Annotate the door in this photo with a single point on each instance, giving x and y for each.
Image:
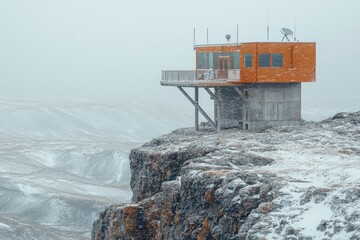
(223, 67)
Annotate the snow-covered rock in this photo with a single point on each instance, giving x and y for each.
(283, 183)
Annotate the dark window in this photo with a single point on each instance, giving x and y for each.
(216, 55)
(277, 60)
(210, 60)
(237, 60)
(204, 60)
(198, 58)
(248, 60)
(232, 60)
(264, 60)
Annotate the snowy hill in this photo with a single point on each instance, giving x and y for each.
(128, 122)
(62, 163)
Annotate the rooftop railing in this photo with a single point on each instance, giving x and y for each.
(200, 74)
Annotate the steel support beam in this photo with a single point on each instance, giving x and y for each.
(239, 92)
(218, 110)
(196, 105)
(196, 109)
(212, 95)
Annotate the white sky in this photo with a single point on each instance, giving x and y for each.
(114, 50)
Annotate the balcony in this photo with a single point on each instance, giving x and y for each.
(193, 78)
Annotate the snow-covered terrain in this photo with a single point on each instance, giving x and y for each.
(299, 182)
(320, 164)
(62, 163)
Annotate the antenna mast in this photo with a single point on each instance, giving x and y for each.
(194, 40)
(294, 28)
(237, 34)
(207, 35)
(267, 27)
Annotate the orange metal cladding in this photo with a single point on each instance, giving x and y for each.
(299, 61)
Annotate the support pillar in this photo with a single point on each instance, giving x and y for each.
(218, 110)
(196, 109)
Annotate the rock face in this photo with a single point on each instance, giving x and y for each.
(283, 183)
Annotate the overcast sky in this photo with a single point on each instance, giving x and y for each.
(114, 50)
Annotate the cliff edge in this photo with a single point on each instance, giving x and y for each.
(283, 183)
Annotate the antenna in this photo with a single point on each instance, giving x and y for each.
(237, 34)
(267, 27)
(294, 28)
(228, 37)
(194, 40)
(207, 35)
(287, 33)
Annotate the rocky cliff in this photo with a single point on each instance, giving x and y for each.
(283, 183)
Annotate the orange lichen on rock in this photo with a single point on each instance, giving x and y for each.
(130, 222)
(205, 230)
(209, 196)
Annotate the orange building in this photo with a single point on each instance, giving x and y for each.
(261, 62)
(256, 84)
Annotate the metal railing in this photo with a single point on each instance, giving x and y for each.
(200, 74)
(178, 75)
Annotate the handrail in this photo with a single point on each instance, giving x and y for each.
(178, 75)
(200, 74)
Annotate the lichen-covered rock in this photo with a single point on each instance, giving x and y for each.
(283, 183)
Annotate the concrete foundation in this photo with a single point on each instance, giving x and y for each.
(258, 106)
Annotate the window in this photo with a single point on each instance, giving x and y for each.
(210, 60)
(277, 60)
(204, 60)
(237, 60)
(248, 60)
(232, 60)
(198, 59)
(264, 60)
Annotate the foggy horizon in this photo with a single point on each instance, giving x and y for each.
(113, 51)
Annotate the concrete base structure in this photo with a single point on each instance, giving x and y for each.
(258, 106)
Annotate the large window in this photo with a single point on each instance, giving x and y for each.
(234, 58)
(248, 60)
(204, 60)
(277, 60)
(264, 60)
(210, 60)
(201, 60)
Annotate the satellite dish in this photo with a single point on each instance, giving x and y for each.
(228, 37)
(287, 33)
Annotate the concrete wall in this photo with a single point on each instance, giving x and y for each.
(230, 107)
(262, 105)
